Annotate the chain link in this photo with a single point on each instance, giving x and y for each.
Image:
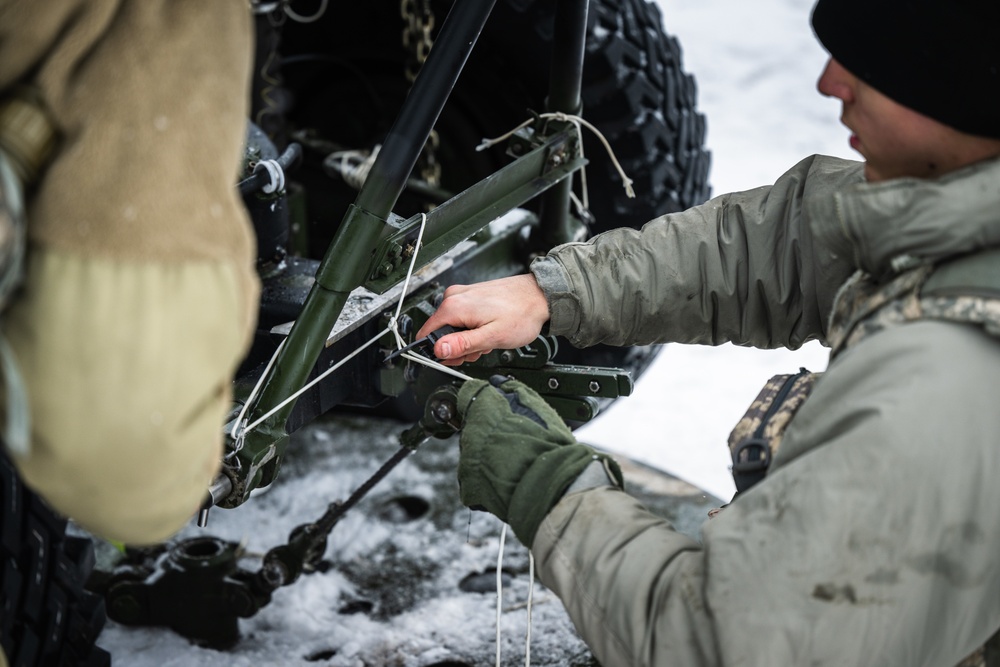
(418, 22)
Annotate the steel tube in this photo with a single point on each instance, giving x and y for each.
(422, 106)
(565, 85)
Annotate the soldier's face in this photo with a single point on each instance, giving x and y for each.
(897, 141)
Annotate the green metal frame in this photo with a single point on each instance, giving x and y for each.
(372, 246)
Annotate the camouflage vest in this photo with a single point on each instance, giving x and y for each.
(964, 290)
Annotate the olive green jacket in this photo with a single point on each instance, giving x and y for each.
(873, 540)
(140, 294)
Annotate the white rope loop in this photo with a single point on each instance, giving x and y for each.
(317, 15)
(275, 173)
(577, 121)
(355, 165)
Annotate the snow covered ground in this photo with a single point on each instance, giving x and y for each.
(756, 64)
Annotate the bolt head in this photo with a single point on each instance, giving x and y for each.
(274, 574)
(594, 386)
(442, 412)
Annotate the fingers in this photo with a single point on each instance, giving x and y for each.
(452, 311)
(463, 346)
(498, 314)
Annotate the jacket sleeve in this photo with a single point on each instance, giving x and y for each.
(740, 268)
(871, 542)
(141, 291)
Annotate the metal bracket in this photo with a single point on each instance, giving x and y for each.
(552, 158)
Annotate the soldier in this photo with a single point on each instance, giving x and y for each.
(872, 539)
(140, 291)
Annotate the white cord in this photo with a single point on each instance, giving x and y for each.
(355, 165)
(503, 538)
(577, 121)
(318, 379)
(531, 590)
(406, 281)
(240, 428)
(253, 394)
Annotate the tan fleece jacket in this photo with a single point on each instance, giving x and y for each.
(141, 295)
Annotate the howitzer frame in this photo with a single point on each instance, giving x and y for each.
(371, 245)
(367, 260)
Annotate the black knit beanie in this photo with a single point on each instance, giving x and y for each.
(938, 57)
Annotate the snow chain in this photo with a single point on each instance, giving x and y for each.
(418, 22)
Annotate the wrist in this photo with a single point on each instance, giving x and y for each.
(562, 306)
(548, 479)
(593, 476)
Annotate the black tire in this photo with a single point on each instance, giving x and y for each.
(635, 72)
(634, 90)
(347, 82)
(47, 617)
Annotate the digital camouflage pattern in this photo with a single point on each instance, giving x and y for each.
(864, 308)
(976, 659)
(764, 423)
(16, 429)
(11, 229)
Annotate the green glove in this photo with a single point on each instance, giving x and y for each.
(517, 456)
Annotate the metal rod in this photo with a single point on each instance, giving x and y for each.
(220, 488)
(568, 44)
(565, 85)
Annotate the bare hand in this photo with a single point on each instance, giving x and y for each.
(499, 314)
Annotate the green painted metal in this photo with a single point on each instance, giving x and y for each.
(556, 157)
(347, 259)
(372, 248)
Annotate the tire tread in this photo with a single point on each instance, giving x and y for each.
(47, 617)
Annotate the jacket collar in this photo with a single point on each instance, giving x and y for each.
(895, 225)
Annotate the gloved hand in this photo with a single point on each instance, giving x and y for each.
(517, 456)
